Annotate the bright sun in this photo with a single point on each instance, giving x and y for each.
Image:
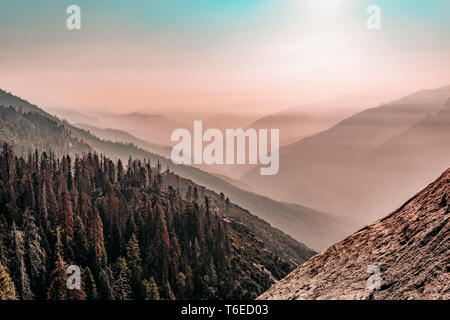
(324, 6)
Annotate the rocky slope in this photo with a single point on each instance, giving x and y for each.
(410, 246)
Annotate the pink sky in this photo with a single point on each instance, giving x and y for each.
(286, 61)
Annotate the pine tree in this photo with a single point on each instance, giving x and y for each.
(52, 204)
(134, 262)
(42, 205)
(161, 244)
(76, 294)
(121, 285)
(19, 268)
(181, 285)
(131, 226)
(35, 255)
(7, 289)
(105, 282)
(8, 174)
(81, 245)
(3, 241)
(58, 286)
(65, 212)
(96, 236)
(89, 285)
(150, 289)
(168, 293)
(57, 289)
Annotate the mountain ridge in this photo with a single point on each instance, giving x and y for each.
(409, 246)
(319, 171)
(277, 214)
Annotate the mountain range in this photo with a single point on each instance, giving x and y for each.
(379, 156)
(315, 229)
(305, 120)
(369, 155)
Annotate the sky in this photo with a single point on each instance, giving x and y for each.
(242, 56)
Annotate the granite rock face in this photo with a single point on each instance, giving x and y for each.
(410, 248)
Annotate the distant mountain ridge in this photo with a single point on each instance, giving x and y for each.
(322, 170)
(315, 229)
(300, 222)
(296, 123)
(149, 127)
(409, 246)
(125, 137)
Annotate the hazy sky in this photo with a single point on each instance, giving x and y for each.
(220, 55)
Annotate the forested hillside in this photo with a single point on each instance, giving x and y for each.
(132, 238)
(314, 228)
(261, 208)
(28, 131)
(277, 242)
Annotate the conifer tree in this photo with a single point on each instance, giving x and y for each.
(19, 268)
(35, 255)
(167, 291)
(65, 212)
(134, 262)
(150, 289)
(89, 285)
(3, 241)
(121, 285)
(105, 282)
(181, 285)
(7, 289)
(57, 289)
(81, 245)
(162, 243)
(96, 236)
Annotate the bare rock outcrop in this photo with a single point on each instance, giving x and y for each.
(410, 247)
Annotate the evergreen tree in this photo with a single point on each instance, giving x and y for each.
(181, 285)
(89, 285)
(3, 241)
(135, 263)
(150, 289)
(106, 280)
(35, 255)
(7, 289)
(57, 289)
(96, 237)
(167, 291)
(81, 245)
(65, 212)
(20, 273)
(121, 285)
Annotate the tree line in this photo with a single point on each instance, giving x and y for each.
(131, 238)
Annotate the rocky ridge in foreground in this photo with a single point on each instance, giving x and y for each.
(411, 247)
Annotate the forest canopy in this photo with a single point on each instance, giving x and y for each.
(131, 238)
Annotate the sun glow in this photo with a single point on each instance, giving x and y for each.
(322, 14)
(324, 6)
